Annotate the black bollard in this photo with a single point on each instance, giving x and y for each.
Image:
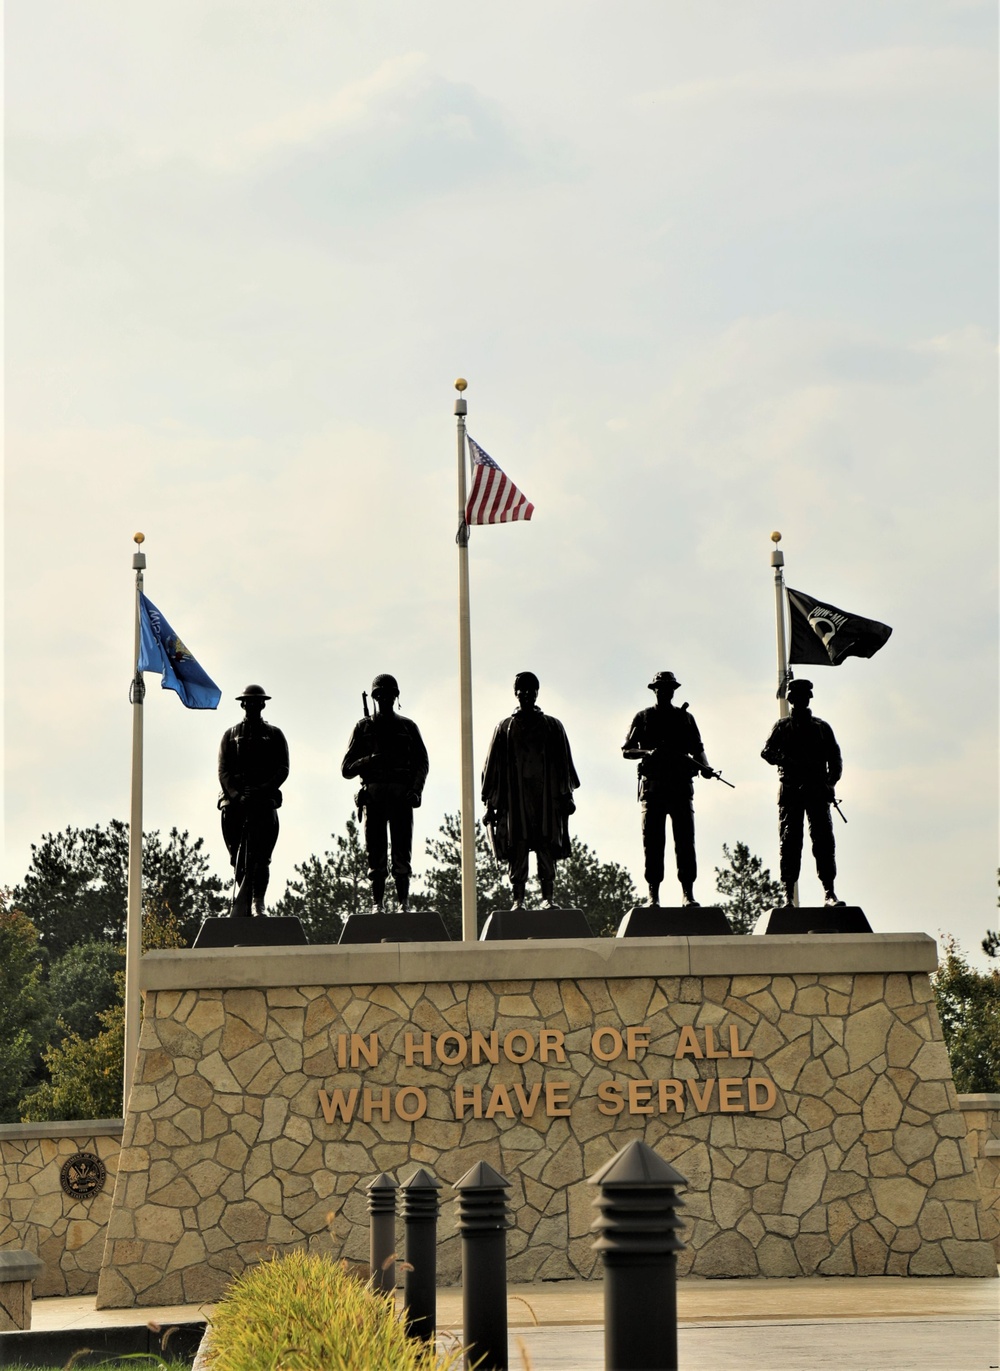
(638, 1225)
(482, 1222)
(420, 1213)
(382, 1208)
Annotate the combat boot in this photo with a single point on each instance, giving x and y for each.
(547, 888)
(403, 893)
(654, 896)
(378, 894)
(688, 895)
(518, 901)
(830, 897)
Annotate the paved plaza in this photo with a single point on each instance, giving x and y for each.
(811, 1324)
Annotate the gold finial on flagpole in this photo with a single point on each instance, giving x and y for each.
(461, 384)
(775, 537)
(138, 537)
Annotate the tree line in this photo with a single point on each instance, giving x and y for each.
(62, 932)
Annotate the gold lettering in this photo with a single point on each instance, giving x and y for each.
(551, 1040)
(528, 1102)
(342, 1049)
(383, 1104)
(734, 1043)
(499, 1103)
(634, 1039)
(609, 1098)
(557, 1099)
(671, 1092)
(529, 1045)
(411, 1047)
(710, 1049)
(419, 1106)
(464, 1097)
(687, 1044)
(770, 1093)
(701, 1102)
(640, 1103)
(461, 1048)
(482, 1048)
(359, 1049)
(338, 1103)
(597, 1040)
(731, 1095)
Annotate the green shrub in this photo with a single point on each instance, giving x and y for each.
(305, 1312)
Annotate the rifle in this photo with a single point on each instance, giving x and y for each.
(718, 776)
(364, 702)
(836, 804)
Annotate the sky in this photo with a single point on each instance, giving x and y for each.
(710, 270)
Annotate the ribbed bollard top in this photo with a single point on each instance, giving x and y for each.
(482, 1203)
(382, 1195)
(419, 1196)
(638, 1201)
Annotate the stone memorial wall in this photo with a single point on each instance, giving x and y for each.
(800, 1085)
(52, 1208)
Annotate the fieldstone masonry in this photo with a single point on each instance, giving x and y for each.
(811, 1110)
(66, 1231)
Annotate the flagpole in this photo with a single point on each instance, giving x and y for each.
(778, 562)
(133, 924)
(470, 931)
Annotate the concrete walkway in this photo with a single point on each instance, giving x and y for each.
(810, 1324)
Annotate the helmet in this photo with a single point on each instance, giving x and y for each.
(527, 678)
(253, 692)
(663, 678)
(385, 682)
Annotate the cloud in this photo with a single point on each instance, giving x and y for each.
(878, 75)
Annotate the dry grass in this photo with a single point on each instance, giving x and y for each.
(305, 1312)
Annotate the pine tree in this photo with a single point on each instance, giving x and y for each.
(747, 888)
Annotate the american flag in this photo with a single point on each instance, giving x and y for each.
(494, 498)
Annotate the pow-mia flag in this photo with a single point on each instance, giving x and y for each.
(823, 635)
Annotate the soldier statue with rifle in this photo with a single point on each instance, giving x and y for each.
(388, 753)
(667, 745)
(253, 766)
(805, 751)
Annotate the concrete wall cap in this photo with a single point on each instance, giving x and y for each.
(83, 1129)
(541, 959)
(16, 1265)
(979, 1102)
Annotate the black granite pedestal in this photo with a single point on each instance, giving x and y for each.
(680, 921)
(822, 918)
(535, 923)
(243, 931)
(410, 926)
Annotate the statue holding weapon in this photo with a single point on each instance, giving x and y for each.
(805, 751)
(666, 743)
(253, 766)
(388, 754)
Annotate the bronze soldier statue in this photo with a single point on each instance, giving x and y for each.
(806, 754)
(667, 745)
(253, 766)
(527, 786)
(388, 753)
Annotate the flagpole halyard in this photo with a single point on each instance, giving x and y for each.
(470, 931)
(133, 923)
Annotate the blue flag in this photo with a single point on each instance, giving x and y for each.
(162, 651)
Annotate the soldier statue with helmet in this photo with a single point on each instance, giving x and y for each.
(388, 754)
(667, 745)
(253, 766)
(805, 751)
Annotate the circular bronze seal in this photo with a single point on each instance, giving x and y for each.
(83, 1176)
